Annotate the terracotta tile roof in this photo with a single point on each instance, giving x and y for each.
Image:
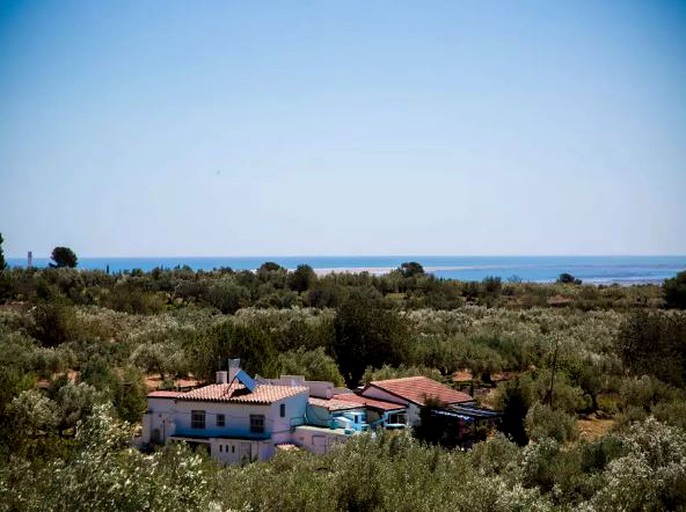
(263, 393)
(417, 389)
(163, 394)
(334, 404)
(372, 403)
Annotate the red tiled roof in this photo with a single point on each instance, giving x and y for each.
(263, 394)
(370, 402)
(334, 404)
(417, 389)
(163, 394)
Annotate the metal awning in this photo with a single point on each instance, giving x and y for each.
(467, 413)
(475, 412)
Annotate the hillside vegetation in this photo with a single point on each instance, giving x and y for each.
(80, 349)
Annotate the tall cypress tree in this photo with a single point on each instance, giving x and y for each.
(3, 263)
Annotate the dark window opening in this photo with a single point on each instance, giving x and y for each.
(198, 419)
(257, 423)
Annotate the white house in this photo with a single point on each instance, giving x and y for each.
(237, 419)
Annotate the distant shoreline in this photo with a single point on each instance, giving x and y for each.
(600, 270)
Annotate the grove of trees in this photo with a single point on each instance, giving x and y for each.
(79, 350)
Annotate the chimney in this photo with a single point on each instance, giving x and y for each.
(234, 368)
(221, 377)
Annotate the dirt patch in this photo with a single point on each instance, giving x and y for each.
(462, 376)
(592, 427)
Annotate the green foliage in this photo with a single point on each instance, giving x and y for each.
(674, 291)
(566, 278)
(565, 396)
(542, 421)
(496, 456)
(128, 395)
(640, 469)
(124, 387)
(652, 473)
(493, 285)
(227, 296)
(325, 294)
(210, 349)
(164, 357)
(29, 415)
(671, 412)
(514, 401)
(106, 475)
(313, 364)
(368, 335)
(589, 374)
(655, 343)
(175, 321)
(3, 263)
(53, 323)
(411, 269)
(129, 298)
(390, 372)
(292, 328)
(63, 257)
(302, 278)
(75, 403)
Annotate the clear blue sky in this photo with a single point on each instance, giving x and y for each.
(337, 127)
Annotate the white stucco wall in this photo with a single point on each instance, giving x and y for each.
(236, 419)
(236, 427)
(238, 451)
(295, 415)
(159, 416)
(318, 440)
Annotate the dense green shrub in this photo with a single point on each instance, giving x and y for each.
(542, 421)
(313, 364)
(674, 291)
(53, 323)
(514, 400)
(655, 344)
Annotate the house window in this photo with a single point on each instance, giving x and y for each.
(257, 423)
(397, 418)
(198, 419)
(220, 420)
(282, 410)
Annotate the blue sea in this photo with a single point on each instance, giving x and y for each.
(623, 270)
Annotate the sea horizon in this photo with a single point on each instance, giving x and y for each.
(608, 269)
